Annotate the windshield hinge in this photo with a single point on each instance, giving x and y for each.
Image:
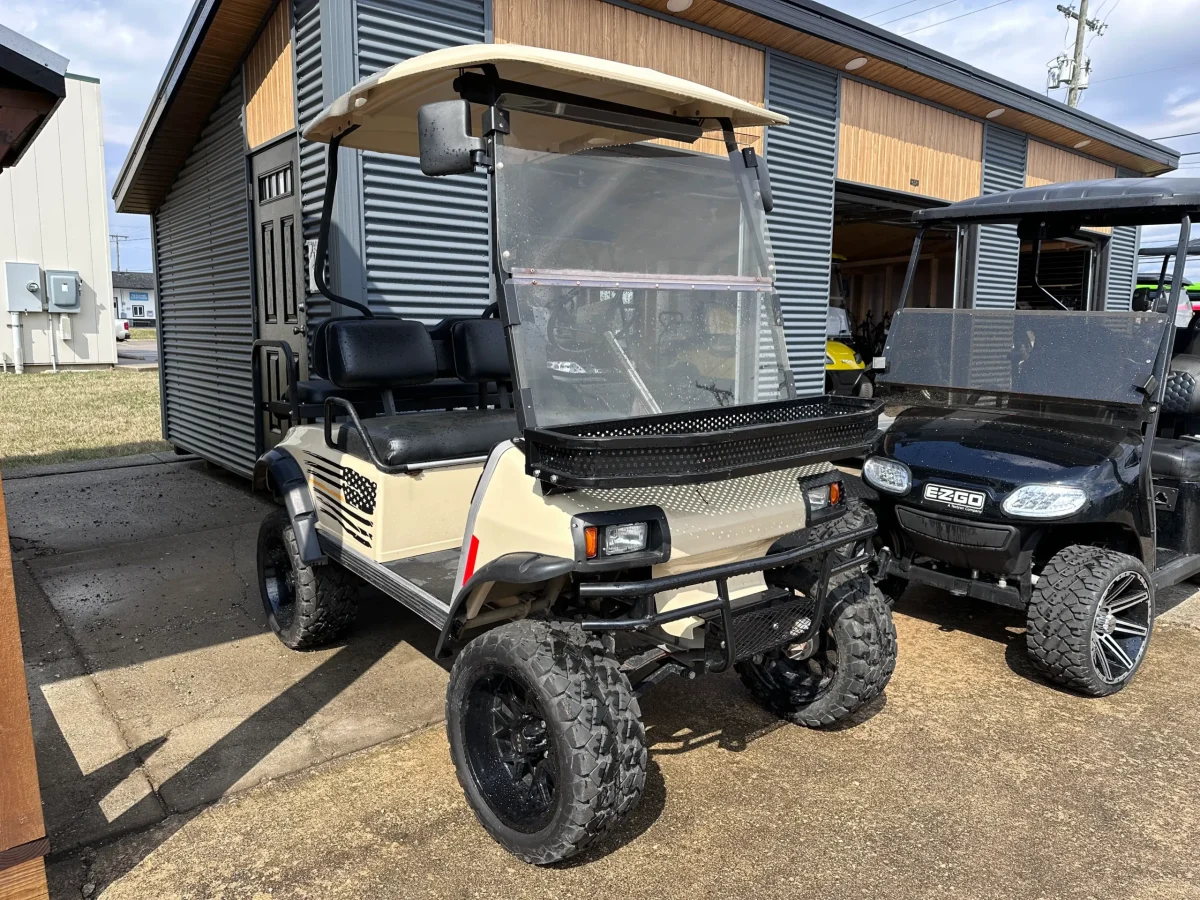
(1148, 387)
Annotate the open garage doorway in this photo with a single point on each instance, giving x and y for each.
(1070, 271)
(872, 240)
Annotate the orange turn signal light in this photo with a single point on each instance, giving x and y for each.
(835, 493)
(591, 541)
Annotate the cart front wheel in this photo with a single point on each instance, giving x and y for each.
(1090, 618)
(548, 757)
(849, 665)
(306, 606)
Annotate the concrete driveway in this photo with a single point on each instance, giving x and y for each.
(156, 691)
(137, 354)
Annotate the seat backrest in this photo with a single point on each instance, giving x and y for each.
(365, 353)
(443, 345)
(1181, 397)
(480, 351)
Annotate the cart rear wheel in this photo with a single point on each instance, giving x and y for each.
(1090, 619)
(850, 665)
(545, 740)
(306, 606)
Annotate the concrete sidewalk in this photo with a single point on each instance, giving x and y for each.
(154, 684)
(156, 690)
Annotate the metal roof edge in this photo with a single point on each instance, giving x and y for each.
(837, 27)
(33, 51)
(185, 48)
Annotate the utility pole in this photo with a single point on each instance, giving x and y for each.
(117, 238)
(1080, 68)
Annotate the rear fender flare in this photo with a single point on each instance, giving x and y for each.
(279, 472)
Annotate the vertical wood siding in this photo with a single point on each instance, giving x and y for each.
(1052, 165)
(604, 30)
(892, 142)
(270, 98)
(206, 308)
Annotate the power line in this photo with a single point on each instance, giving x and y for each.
(889, 9)
(1172, 136)
(918, 12)
(1143, 72)
(953, 18)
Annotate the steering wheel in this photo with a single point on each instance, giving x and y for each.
(564, 332)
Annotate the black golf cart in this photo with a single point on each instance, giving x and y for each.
(1048, 459)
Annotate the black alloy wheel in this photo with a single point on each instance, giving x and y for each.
(509, 750)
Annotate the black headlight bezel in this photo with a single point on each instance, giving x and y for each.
(658, 538)
(833, 510)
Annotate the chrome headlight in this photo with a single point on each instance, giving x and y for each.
(1044, 501)
(887, 475)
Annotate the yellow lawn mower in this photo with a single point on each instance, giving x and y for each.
(845, 370)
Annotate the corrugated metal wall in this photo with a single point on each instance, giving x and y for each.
(309, 102)
(998, 248)
(803, 161)
(1122, 267)
(425, 239)
(206, 313)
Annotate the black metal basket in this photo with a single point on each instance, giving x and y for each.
(705, 445)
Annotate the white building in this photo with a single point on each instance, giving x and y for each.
(133, 297)
(54, 214)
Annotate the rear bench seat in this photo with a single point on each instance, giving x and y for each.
(396, 354)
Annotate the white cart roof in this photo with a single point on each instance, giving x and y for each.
(385, 105)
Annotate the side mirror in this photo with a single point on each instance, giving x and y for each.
(444, 137)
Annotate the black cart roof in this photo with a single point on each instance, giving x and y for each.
(1109, 201)
(1193, 249)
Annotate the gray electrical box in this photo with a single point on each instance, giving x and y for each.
(23, 287)
(62, 291)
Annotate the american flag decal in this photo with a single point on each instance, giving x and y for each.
(339, 491)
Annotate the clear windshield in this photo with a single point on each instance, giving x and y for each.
(1088, 356)
(643, 281)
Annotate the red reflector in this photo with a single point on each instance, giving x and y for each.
(472, 552)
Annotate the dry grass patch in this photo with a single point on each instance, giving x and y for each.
(49, 418)
(143, 334)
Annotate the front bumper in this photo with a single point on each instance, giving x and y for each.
(748, 619)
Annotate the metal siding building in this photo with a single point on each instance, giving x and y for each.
(249, 74)
(54, 212)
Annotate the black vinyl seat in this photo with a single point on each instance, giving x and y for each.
(1173, 458)
(401, 359)
(420, 437)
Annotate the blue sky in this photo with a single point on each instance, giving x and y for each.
(1143, 67)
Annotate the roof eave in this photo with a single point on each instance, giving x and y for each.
(189, 41)
(831, 25)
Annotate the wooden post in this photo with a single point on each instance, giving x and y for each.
(23, 840)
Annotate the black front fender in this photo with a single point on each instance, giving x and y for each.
(278, 471)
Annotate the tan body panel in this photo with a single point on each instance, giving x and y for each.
(410, 515)
(710, 524)
(394, 517)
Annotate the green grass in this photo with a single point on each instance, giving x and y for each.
(143, 334)
(50, 418)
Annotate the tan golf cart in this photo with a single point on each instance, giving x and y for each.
(604, 480)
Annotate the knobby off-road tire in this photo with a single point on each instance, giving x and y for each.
(1090, 602)
(546, 739)
(306, 606)
(851, 665)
